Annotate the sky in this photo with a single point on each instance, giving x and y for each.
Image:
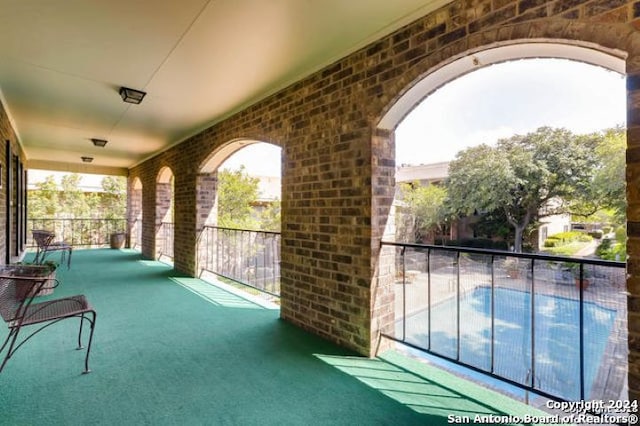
(510, 98)
(259, 159)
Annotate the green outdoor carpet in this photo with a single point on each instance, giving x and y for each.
(168, 350)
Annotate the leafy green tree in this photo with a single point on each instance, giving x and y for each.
(67, 200)
(270, 217)
(43, 202)
(72, 197)
(609, 183)
(236, 193)
(423, 209)
(527, 177)
(113, 201)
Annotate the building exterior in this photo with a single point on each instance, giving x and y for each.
(436, 174)
(336, 128)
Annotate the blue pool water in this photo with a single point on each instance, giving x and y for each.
(556, 337)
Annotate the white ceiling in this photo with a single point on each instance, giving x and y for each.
(62, 63)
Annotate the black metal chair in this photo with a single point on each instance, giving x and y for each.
(45, 245)
(19, 285)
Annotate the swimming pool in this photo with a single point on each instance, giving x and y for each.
(556, 347)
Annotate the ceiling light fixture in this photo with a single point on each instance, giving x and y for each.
(99, 142)
(87, 159)
(132, 96)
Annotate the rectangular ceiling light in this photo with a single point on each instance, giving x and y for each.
(99, 142)
(132, 96)
(87, 159)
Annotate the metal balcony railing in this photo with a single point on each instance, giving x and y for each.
(136, 234)
(249, 257)
(164, 240)
(78, 232)
(556, 326)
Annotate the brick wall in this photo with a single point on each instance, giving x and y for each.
(336, 183)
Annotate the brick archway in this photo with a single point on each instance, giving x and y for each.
(613, 46)
(207, 179)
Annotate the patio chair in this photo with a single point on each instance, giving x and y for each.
(19, 285)
(45, 244)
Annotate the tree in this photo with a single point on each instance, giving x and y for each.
(72, 197)
(43, 202)
(526, 176)
(423, 208)
(609, 184)
(270, 217)
(67, 200)
(237, 191)
(114, 198)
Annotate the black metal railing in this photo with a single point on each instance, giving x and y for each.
(164, 240)
(548, 324)
(135, 230)
(249, 257)
(83, 232)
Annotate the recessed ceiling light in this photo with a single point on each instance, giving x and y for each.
(132, 96)
(99, 142)
(87, 159)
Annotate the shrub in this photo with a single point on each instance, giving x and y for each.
(552, 242)
(598, 234)
(614, 249)
(563, 238)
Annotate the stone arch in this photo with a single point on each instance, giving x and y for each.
(135, 214)
(206, 188)
(207, 179)
(164, 213)
(223, 152)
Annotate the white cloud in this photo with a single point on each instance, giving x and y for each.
(510, 98)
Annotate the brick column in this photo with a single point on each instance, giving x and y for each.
(633, 230)
(135, 215)
(163, 204)
(383, 259)
(206, 210)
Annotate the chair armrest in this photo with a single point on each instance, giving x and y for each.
(50, 281)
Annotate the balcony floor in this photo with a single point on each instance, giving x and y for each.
(165, 354)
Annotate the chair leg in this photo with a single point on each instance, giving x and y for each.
(82, 318)
(13, 335)
(86, 358)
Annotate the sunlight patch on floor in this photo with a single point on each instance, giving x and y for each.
(152, 263)
(414, 390)
(214, 294)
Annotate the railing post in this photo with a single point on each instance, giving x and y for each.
(581, 309)
(533, 327)
(493, 313)
(458, 306)
(429, 298)
(404, 293)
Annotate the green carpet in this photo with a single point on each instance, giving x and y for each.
(169, 350)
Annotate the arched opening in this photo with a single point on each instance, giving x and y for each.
(239, 216)
(165, 214)
(135, 215)
(447, 301)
